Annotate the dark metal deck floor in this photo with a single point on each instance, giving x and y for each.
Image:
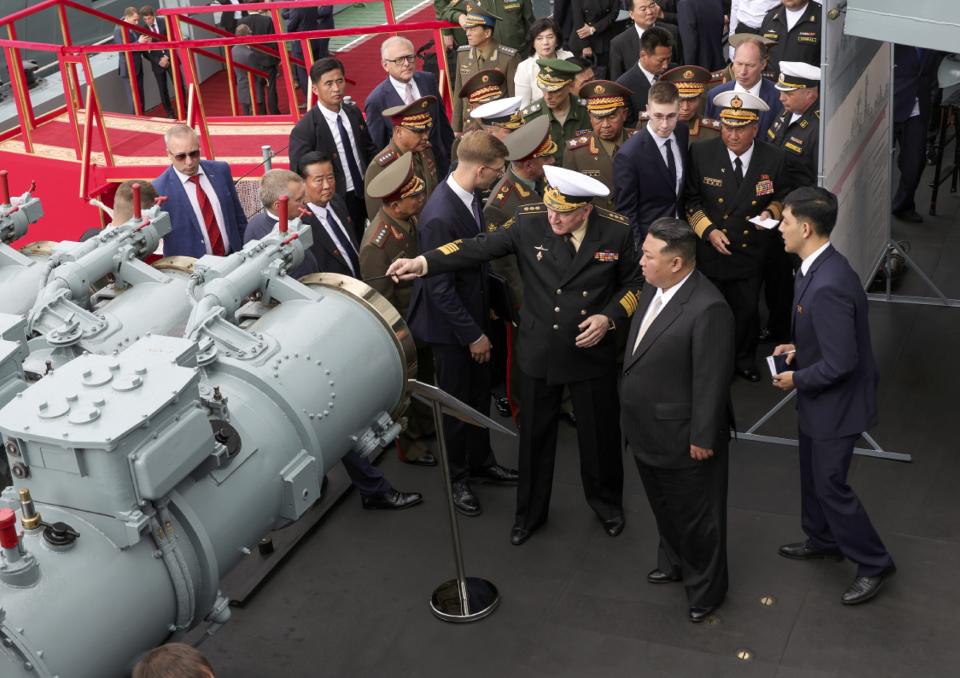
(353, 599)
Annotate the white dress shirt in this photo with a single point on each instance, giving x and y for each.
(749, 12)
(401, 88)
(664, 295)
(794, 16)
(525, 78)
(191, 190)
(647, 74)
(808, 262)
(640, 31)
(745, 159)
(465, 196)
(677, 156)
(342, 237)
(331, 119)
(755, 90)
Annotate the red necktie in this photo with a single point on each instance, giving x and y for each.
(209, 218)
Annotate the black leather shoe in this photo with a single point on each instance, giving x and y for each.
(425, 459)
(415, 453)
(804, 550)
(658, 576)
(391, 500)
(614, 526)
(749, 374)
(864, 588)
(910, 216)
(465, 500)
(497, 474)
(503, 406)
(698, 614)
(518, 535)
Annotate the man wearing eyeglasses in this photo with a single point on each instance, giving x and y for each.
(648, 170)
(405, 84)
(451, 311)
(202, 201)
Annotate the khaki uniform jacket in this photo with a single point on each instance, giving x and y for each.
(424, 166)
(577, 123)
(472, 60)
(386, 240)
(516, 18)
(587, 155)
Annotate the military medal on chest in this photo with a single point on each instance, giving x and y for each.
(540, 250)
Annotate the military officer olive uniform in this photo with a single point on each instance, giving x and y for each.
(515, 18)
(590, 155)
(471, 60)
(713, 200)
(562, 289)
(703, 129)
(800, 44)
(386, 240)
(577, 123)
(424, 166)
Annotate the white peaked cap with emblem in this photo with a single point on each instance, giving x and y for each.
(744, 100)
(797, 75)
(499, 108)
(574, 184)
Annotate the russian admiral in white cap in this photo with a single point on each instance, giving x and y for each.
(797, 128)
(581, 280)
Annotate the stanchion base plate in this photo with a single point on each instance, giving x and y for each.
(482, 597)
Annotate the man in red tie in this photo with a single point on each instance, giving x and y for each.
(202, 201)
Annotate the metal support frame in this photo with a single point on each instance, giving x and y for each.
(462, 599)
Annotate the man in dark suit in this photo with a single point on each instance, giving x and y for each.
(230, 15)
(159, 59)
(130, 16)
(675, 399)
(729, 181)
(260, 23)
(340, 131)
(276, 183)
(581, 281)
(648, 170)
(914, 81)
(202, 201)
(655, 46)
(832, 367)
(701, 32)
(301, 20)
(749, 63)
(625, 48)
(404, 84)
(450, 312)
(334, 244)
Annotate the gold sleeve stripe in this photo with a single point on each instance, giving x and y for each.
(699, 221)
(451, 247)
(776, 209)
(629, 302)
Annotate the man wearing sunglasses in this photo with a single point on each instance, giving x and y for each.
(202, 201)
(404, 85)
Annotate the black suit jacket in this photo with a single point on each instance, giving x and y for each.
(701, 31)
(261, 24)
(602, 15)
(328, 254)
(645, 192)
(625, 48)
(312, 133)
(636, 82)
(675, 388)
(137, 56)
(914, 79)
(384, 96)
(227, 21)
(451, 308)
(835, 373)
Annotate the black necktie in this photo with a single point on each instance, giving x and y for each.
(351, 160)
(571, 248)
(347, 248)
(671, 165)
(738, 170)
(477, 216)
(799, 275)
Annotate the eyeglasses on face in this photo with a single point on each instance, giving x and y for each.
(406, 59)
(180, 157)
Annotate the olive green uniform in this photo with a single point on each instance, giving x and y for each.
(577, 123)
(471, 60)
(589, 155)
(424, 166)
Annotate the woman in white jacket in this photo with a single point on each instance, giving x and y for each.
(543, 39)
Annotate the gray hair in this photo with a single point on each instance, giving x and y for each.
(178, 130)
(390, 42)
(276, 183)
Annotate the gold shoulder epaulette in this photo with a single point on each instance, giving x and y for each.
(610, 214)
(386, 157)
(380, 237)
(501, 195)
(463, 48)
(493, 228)
(710, 122)
(579, 141)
